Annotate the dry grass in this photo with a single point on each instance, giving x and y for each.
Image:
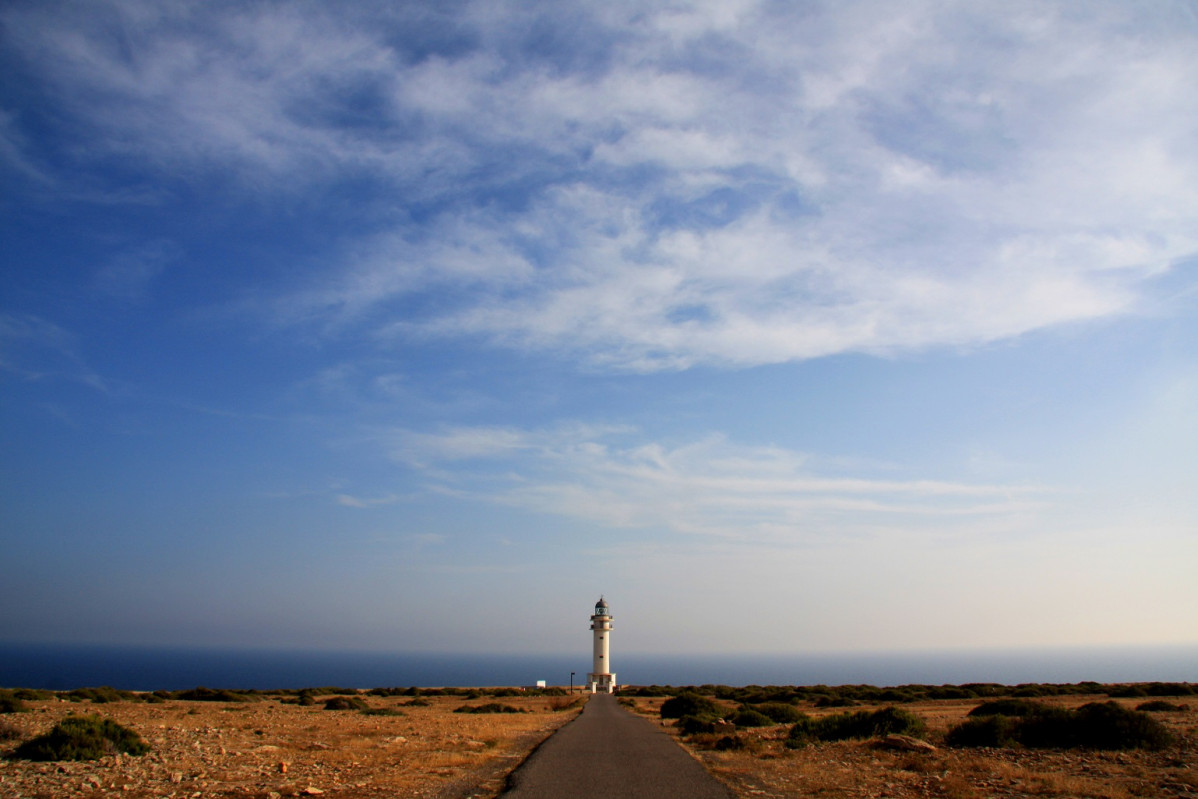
(859, 768)
(263, 748)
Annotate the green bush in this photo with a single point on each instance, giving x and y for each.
(780, 712)
(1107, 725)
(102, 695)
(1007, 707)
(202, 694)
(690, 704)
(1160, 706)
(696, 725)
(10, 703)
(346, 703)
(866, 724)
(83, 738)
(1098, 725)
(862, 724)
(1169, 689)
(748, 717)
(381, 711)
(834, 701)
(490, 707)
(996, 730)
(801, 733)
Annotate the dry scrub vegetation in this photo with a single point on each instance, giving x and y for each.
(221, 744)
(267, 746)
(757, 762)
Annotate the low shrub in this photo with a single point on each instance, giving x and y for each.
(202, 694)
(1007, 707)
(417, 702)
(780, 712)
(1169, 689)
(834, 701)
(995, 730)
(1098, 725)
(802, 732)
(696, 725)
(862, 724)
(1107, 725)
(346, 703)
(560, 703)
(83, 738)
(748, 717)
(10, 703)
(1160, 706)
(490, 707)
(689, 704)
(99, 696)
(381, 711)
(867, 724)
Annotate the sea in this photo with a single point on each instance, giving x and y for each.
(65, 667)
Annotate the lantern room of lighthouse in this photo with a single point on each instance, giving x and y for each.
(602, 679)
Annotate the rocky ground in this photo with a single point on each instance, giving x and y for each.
(268, 749)
(766, 768)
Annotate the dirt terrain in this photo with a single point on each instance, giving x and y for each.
(766, 768)
(268, 749)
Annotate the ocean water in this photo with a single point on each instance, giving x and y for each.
(61, 667)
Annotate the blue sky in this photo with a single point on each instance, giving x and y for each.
(789, 327)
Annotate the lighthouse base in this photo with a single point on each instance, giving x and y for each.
(602, 683)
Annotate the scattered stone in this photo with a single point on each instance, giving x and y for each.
(904, 743)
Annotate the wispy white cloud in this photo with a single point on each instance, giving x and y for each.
(33, 348)
(710, 486)
(653, 188)
(350, 501)
(129, 274)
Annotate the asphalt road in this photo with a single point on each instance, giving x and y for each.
(607, 753)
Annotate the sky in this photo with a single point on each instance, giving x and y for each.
(788, 327)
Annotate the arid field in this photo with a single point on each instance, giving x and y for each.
(266, 748)
(765, 767)
(271, 745)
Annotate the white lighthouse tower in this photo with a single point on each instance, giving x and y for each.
(602, 678)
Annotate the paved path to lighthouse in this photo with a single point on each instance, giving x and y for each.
(608, 753)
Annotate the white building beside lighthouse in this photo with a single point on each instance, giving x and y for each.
(602, 678)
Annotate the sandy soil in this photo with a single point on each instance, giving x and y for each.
(267, 748)
(765, 768)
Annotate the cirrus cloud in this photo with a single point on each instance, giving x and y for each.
(653, 188)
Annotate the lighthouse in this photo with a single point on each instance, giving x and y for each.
(602, 678)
